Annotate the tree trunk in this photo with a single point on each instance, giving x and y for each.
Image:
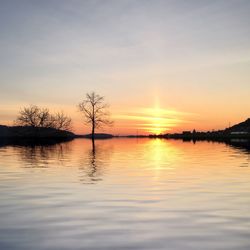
(93, 132)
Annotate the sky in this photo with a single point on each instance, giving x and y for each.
(162, 65)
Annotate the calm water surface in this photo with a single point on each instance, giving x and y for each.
(125, 194)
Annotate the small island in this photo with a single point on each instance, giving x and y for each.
(27, 135)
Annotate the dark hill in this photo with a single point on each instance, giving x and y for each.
(240, 127)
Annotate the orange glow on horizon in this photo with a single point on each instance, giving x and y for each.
(153, 120)
(133, 119)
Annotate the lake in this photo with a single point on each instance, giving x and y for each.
(125, 194)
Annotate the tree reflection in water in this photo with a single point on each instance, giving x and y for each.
(95, 161)
(42, 156)
(90, 160)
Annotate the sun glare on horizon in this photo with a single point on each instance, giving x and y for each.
(159, 120)
(154, 120)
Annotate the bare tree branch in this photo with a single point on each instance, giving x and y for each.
(41, 118)
(94, 111)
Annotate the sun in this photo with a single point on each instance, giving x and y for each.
(158, 122)
(153, 120)
(157, 129)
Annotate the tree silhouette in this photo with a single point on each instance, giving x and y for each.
(95, 111)
(61, 121)
(41, 118)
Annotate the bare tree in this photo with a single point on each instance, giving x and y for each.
(95, 111)
(44, 118)
(61, 121)
(40, 117)
(31, 116)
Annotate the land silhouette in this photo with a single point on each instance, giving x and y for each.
(27, 135)
(237, 131)
(36, 124)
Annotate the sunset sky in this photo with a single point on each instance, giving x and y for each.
(162, 65)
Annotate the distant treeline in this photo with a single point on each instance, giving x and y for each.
(213, 136)
(238, 131)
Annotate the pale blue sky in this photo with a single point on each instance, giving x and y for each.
(191, 55)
